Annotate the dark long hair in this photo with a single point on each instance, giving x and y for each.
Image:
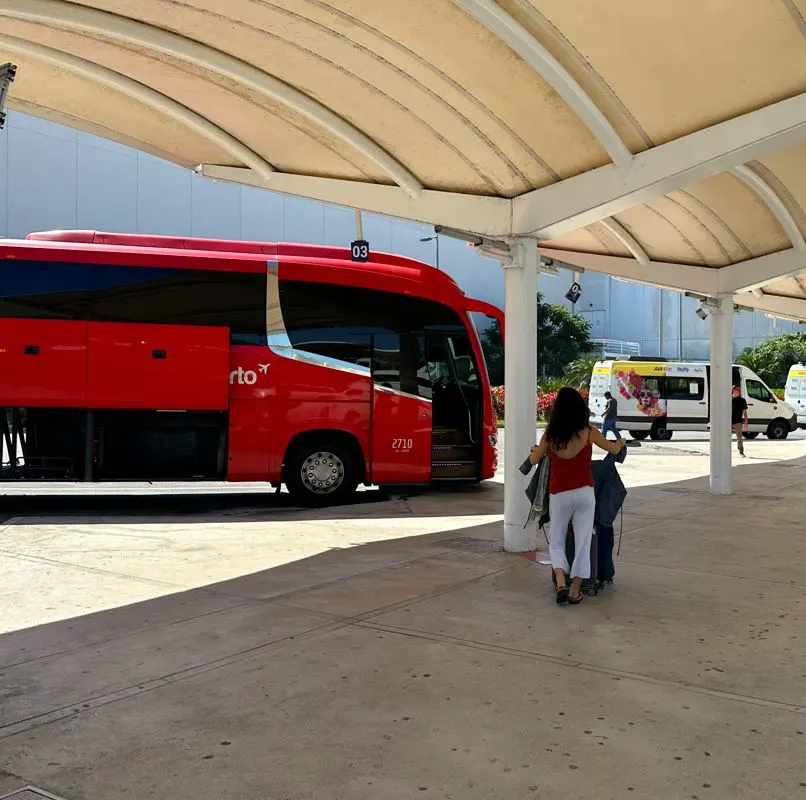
(568, 417)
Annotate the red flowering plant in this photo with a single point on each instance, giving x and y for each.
(498, 401)
(544, 401)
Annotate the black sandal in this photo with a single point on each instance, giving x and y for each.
(575, 601)
(563, 595)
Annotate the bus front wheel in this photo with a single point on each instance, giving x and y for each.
(640, 435)
(322, 471)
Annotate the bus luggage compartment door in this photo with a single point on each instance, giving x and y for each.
(165, 367)
(249, 440)
(43, 362)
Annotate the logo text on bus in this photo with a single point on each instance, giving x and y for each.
(247, 377)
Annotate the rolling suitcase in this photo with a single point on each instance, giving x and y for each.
(590, 586)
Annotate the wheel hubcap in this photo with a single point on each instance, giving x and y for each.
(322, 473)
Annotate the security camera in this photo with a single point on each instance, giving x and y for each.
(701, 312)
(7, 74)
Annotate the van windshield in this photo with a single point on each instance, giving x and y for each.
(756, 390)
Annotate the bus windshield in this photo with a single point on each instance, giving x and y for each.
(451, 360)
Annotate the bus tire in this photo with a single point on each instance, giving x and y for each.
(640, 435)
(750, 434)
(778, 430)
(660, 433)
(323, 469)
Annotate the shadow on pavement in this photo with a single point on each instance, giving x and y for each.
(98, 509)
(426, 658)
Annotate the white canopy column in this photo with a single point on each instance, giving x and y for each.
(520, 378)
(720, 398)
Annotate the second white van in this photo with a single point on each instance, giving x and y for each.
(656, 398)
(795, 392)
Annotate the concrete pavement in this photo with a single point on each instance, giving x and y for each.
(391, 650)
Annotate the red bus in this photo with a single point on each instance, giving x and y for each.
(126, 357)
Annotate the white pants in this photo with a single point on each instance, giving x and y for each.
(577, 507)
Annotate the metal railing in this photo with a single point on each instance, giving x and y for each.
(616, 347)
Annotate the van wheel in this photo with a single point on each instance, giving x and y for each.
(321, 471)
(750, 434)
(660, 433)
(640, 435)
(778, 429)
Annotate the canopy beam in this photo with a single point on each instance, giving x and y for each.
(756, 273)
(508, 29)
(145, 95)
(571, 204)
(487, 216)
(665, 275)
(767, 195)
(622, 235)
(83, 19)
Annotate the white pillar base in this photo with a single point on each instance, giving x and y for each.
(518, 539)
(720, 395)
(520, 378)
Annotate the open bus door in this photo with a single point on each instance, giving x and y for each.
(402, 417)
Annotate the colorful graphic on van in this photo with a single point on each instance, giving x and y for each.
(633, 386)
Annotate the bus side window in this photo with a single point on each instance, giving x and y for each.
(318, 317)
(323, 319)
(42, 290)
(168, 296)
(113, 293)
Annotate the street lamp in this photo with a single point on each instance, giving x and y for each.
(433, 239)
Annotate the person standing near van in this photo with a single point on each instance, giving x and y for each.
(739, 420)
(610, 415)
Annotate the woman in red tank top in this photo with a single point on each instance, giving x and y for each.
(568, 443)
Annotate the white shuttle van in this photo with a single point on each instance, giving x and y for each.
(795, 392)
(658, 397)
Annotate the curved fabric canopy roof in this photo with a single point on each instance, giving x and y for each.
(662, 142)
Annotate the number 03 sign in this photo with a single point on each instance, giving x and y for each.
(359, 250)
